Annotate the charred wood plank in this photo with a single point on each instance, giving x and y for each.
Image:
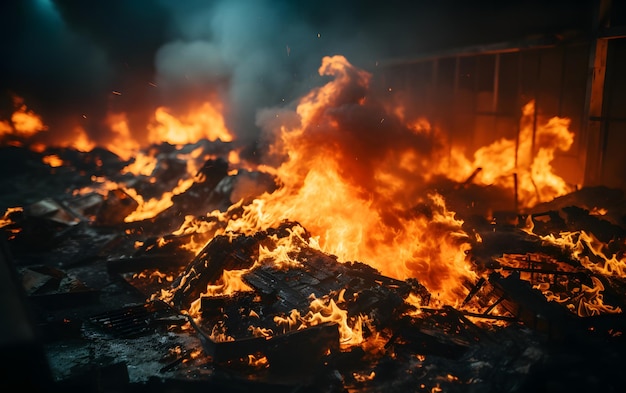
(479, 284)
(532, 308)
(223, 252)
(411, 333)
(309, 346)
(220, 254)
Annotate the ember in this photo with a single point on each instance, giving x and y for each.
(356, 247)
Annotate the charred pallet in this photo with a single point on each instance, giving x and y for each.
(443, 332)
(532, 308)
(223, 252)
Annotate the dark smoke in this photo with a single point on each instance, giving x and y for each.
(66, 57)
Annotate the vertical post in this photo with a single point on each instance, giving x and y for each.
(594, 120)
(516, 193)
(562, 82)
(496, 82)
(520, 70)
(536, 109)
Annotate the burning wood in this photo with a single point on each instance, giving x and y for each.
(356, 264)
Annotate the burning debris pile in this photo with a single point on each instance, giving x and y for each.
(360, 253)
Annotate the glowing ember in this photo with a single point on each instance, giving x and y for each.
(6, 218)
(53, 160)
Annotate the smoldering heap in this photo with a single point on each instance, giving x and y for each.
(347, 261)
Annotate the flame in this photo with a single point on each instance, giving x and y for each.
(322, 311)
(143, 164)
(534, 152)
(81, 141)
(258, 361)
(122, 143)
(53, 160)
(218, 333)
(23, 124)
(286, 248)
(6, 218)
(364, 377)
(78, 140)
(586, 248)
(584, 302)
(349, 190)
(153, 206)
(26, 123)
(592, 254)
(590, 251)
(261, 332)
(203, 122)
(5, 128)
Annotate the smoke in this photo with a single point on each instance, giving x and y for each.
(264, 53)
(252, 53)
(74, 61)
(346, 123)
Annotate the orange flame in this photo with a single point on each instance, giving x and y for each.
(53, 160)
(6, 218)
(80, 140)
(204, 122)
(122, 143)
(343, 189)
(323, 311)
(24, 123)
(536, 180)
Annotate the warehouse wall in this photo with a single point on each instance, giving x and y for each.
(475, 97)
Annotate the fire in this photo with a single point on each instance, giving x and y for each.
(322, 311)
(152, 207)
(23, 124)
(258, 362)
(343, 184)
(26, 122)
(529, 159)
(590, 251)
(6, 219)
(143, 164)
(203, 122)
(282, 255)
(53, 160)
(80, 140)
(218, 333)
(122, 143)
(587, 249)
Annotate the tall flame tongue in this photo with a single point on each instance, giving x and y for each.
(351, 174)
(529, 158)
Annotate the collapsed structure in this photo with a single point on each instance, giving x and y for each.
(365, 253)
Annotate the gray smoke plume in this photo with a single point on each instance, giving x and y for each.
(66, 58)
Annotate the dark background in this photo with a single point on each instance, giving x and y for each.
(66, 57)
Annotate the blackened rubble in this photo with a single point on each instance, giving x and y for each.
(92, 284)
